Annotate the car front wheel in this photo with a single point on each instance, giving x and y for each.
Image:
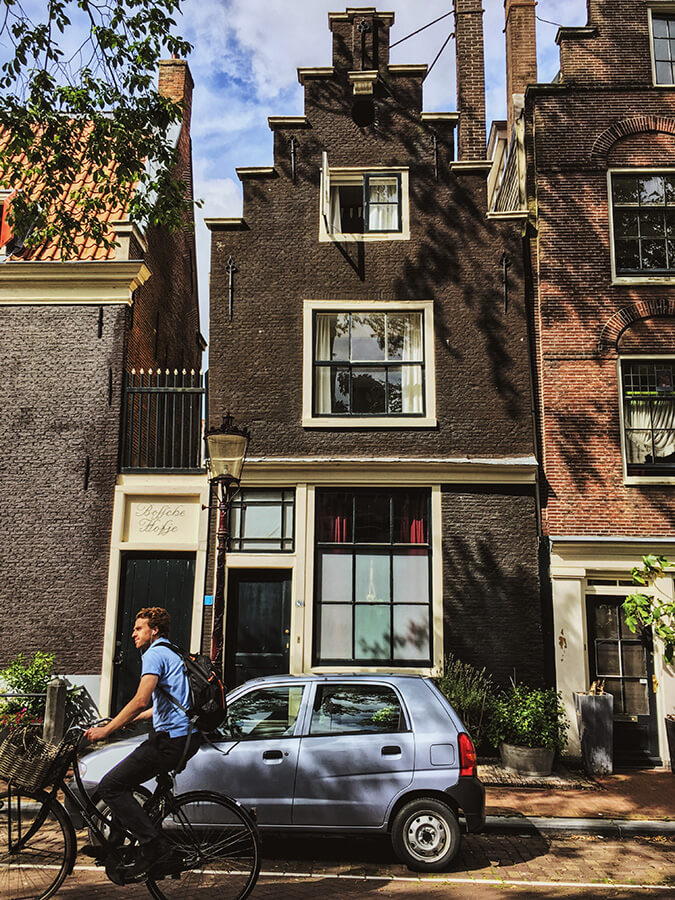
(425, 835)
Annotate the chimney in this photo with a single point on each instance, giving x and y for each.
(470, 79)
(175, 82)
(360, 38)
(521, 55)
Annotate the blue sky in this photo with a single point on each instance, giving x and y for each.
(244, 63)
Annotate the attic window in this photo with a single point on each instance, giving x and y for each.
(364, 204)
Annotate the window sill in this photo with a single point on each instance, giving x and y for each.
(649, 479)
(368, 422)
(365, 238)
(643, 279)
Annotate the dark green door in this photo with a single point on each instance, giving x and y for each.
(625, 662)
(149, 579)
(258, 624)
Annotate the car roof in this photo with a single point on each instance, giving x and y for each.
(394, 677)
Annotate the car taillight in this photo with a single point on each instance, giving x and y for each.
(467, 755)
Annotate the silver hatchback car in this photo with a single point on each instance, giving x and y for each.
(341, 754)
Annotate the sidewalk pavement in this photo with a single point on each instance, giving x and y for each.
(636, 802)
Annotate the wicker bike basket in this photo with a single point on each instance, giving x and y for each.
(31, 763)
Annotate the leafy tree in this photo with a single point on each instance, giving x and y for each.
(83, 129)
(649, 611)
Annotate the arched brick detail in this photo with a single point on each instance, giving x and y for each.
(626, 127)
(620, 321)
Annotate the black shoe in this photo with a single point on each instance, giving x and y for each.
(148, 855)
(95, 851)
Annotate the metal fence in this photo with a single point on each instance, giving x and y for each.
(162, 420)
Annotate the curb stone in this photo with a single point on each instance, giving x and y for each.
(603, 827)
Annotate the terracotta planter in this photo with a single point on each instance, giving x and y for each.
(595, 720)
(526, 760)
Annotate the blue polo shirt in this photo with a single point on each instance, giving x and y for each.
(160, 660)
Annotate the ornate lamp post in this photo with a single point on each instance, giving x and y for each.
(226, 447)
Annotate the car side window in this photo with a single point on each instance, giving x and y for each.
(356, 709)
(263, 713)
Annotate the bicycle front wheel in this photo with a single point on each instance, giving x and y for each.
(217, 841)
(37, 846)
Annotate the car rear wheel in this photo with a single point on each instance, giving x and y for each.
(425, 835)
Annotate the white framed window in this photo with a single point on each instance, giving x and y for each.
(648, 418)
(662, 43)
(642, 215)
(368, 364)
(359, 204)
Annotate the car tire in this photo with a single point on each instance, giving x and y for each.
(425, 835)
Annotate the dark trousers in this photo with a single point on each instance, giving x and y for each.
(160, 753)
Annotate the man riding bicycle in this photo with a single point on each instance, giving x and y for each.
(162, 691)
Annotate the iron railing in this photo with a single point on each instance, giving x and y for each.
(162, 420)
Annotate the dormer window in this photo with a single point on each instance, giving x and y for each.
(363, 204)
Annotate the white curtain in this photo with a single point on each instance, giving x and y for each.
(411, 378)
(323, 373)
(644, 426)
(334, 217)
(383, 205)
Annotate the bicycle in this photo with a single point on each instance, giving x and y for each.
(215, 842)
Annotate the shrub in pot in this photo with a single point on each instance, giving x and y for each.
(529, 726)
(470, 691)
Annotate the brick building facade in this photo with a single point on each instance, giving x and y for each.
(70, 330)
(589, 166)
(388, 508)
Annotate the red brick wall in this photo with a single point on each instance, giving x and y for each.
(573, 134)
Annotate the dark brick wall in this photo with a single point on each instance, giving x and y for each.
(605, 113)
(452, 258)
(491, 599)
(54, 531)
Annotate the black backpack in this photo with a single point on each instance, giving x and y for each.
(208, 704)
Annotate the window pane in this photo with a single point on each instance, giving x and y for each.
(653, 254)
(383, 203)
(368, 337)
(372, 579)
(289, 515)
(336, 577)
(372, 524)
(625, 188)
(613, 687)
(332, 336)
(351, 208)
(659, 26)
(371, 633)
(606, 622)
(262, 521)
(394, 390)
(626, 223)
(411, 579)
(269, 712)
(404, 337)
(627, 255)
(411, 525)
(664, 73)
(651, 190)
(368, 391)
(652, 224)
(411, 632)
(607, 656)
(634, 661)
(331, 390)
(334, 516)
(349, 709)
(637, 699)
(336, 632)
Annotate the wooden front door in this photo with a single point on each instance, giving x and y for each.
(625, 661)
(258, 624)
(149, 579)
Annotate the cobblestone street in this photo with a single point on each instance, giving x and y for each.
(298, 868)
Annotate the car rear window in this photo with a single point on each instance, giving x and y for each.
(356, 709)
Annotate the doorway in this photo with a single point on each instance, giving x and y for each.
(625, 662)
(257, 640)
(149, 579)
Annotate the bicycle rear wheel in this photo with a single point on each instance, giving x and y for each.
(35, 856)
(219, 843)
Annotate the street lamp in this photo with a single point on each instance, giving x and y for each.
(226, 447)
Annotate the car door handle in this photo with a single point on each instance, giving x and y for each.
(273, 755)
(391, 750)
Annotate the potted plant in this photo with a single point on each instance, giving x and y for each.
(470, 691)
(595, 720)
(529, 726)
